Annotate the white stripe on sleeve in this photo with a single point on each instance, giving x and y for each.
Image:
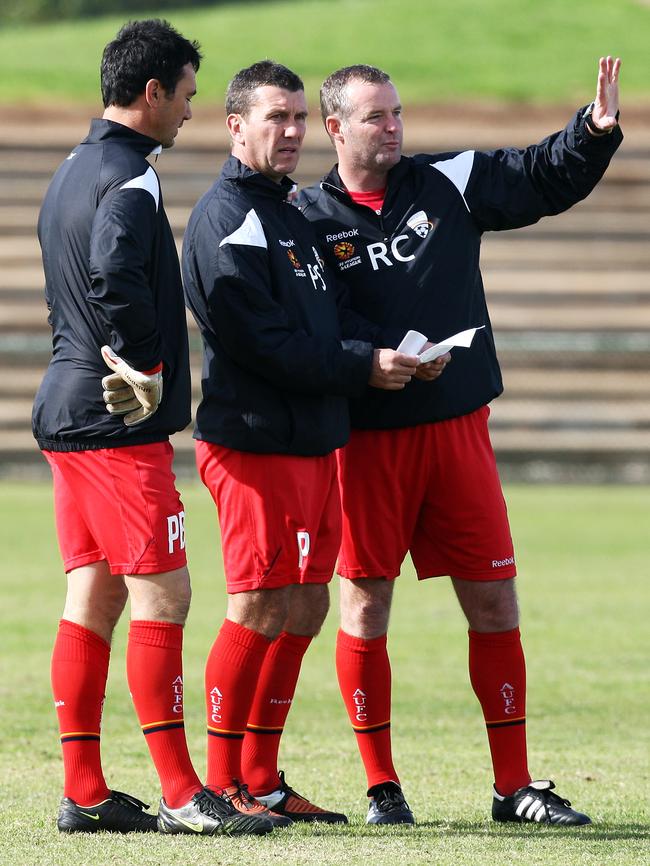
(458, 170)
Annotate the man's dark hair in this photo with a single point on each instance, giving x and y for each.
(333, 93)
(143, 50)
(241, 90)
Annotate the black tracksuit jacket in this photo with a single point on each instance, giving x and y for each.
(417, 265)
(276, 371)
(111, 277)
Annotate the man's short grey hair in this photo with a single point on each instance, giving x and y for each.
(334, 95)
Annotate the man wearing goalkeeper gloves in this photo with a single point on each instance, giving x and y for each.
(103, 421)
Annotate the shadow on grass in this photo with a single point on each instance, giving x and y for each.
(601, 832)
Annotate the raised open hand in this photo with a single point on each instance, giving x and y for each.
(603, 114)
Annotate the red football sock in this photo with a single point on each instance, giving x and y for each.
(497, 671)
(79, 671)
(154, 669)
(275, 690)
(363, 669)
(231, 676)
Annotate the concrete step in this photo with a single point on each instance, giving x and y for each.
(555, 414)
(21, 219)
(186, 175)
(591, 386)
(208, 154)
(551, 282)
(537, 315)
(592, 443)
(517, 250)
(25, 286)
(26, 275)
(614, 249)
(26, 315)
(612, 384)
(185, 189)
(541, 316)
(569, 350)
(508, 412)
(20, 256)
(598, 445)
(25, 283)
(439, 125)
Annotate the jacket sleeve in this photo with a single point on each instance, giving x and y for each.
(121, 249)
(510, 188)
(354, 326)
(257, 332)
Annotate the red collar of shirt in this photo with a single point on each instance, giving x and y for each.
(373, 199)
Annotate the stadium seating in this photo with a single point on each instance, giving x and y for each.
(569, 298)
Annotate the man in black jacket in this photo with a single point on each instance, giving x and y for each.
(419, 473)
(278, 369)
(115, 299)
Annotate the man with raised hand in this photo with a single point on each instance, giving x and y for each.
(278, 369)
(115, 302)
(419, 474)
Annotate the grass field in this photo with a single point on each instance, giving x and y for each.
(524, 51)
(583, 562)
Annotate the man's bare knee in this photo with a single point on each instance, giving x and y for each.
(161, 597)
(261, 610)
(489, 606)
(95, 598)
(308, 608)
(365, 606)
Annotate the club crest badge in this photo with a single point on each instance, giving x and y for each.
(421, 224)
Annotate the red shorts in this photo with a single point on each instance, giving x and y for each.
(119, 505)
(432, 490)
(280, 516)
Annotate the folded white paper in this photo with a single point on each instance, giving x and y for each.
(414, 341)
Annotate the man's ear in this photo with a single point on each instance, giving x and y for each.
(153, 92)
(236, 127)
(333, 127)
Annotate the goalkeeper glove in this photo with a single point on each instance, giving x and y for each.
(131, 393)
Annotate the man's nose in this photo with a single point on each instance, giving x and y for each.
(294, 129)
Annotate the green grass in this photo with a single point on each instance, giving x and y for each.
(443, 51)
(583, 564)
